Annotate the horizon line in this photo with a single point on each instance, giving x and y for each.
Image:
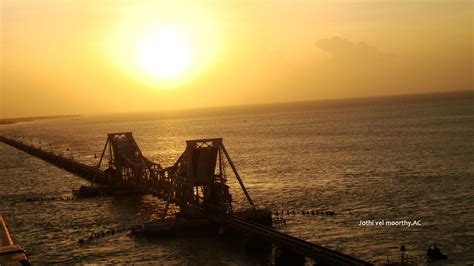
(46, 116)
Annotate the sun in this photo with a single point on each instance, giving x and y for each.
(163, 46)
(164, 54)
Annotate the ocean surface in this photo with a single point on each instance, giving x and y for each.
(386, 158)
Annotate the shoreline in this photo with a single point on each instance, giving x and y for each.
(11, 121)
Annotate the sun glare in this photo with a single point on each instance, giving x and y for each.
(166, 48)
(164, 54)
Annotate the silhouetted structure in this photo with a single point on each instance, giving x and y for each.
(197, 183)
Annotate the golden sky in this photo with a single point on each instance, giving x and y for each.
(92, 56)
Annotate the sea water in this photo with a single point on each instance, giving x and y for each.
(395, 170)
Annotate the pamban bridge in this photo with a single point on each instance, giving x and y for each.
(197, 184)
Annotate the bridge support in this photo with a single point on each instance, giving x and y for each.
(200, 180)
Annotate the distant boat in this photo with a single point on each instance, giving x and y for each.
(434, 254)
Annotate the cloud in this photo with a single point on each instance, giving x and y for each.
(342, 50)
(350, 69)
(356, 69)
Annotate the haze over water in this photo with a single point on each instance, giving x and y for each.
(391, 158)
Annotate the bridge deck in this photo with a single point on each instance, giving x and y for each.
(85, 171)
(321, 254)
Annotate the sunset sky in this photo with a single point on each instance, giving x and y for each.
(92, 56)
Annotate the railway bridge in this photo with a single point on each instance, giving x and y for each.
(196, 183)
